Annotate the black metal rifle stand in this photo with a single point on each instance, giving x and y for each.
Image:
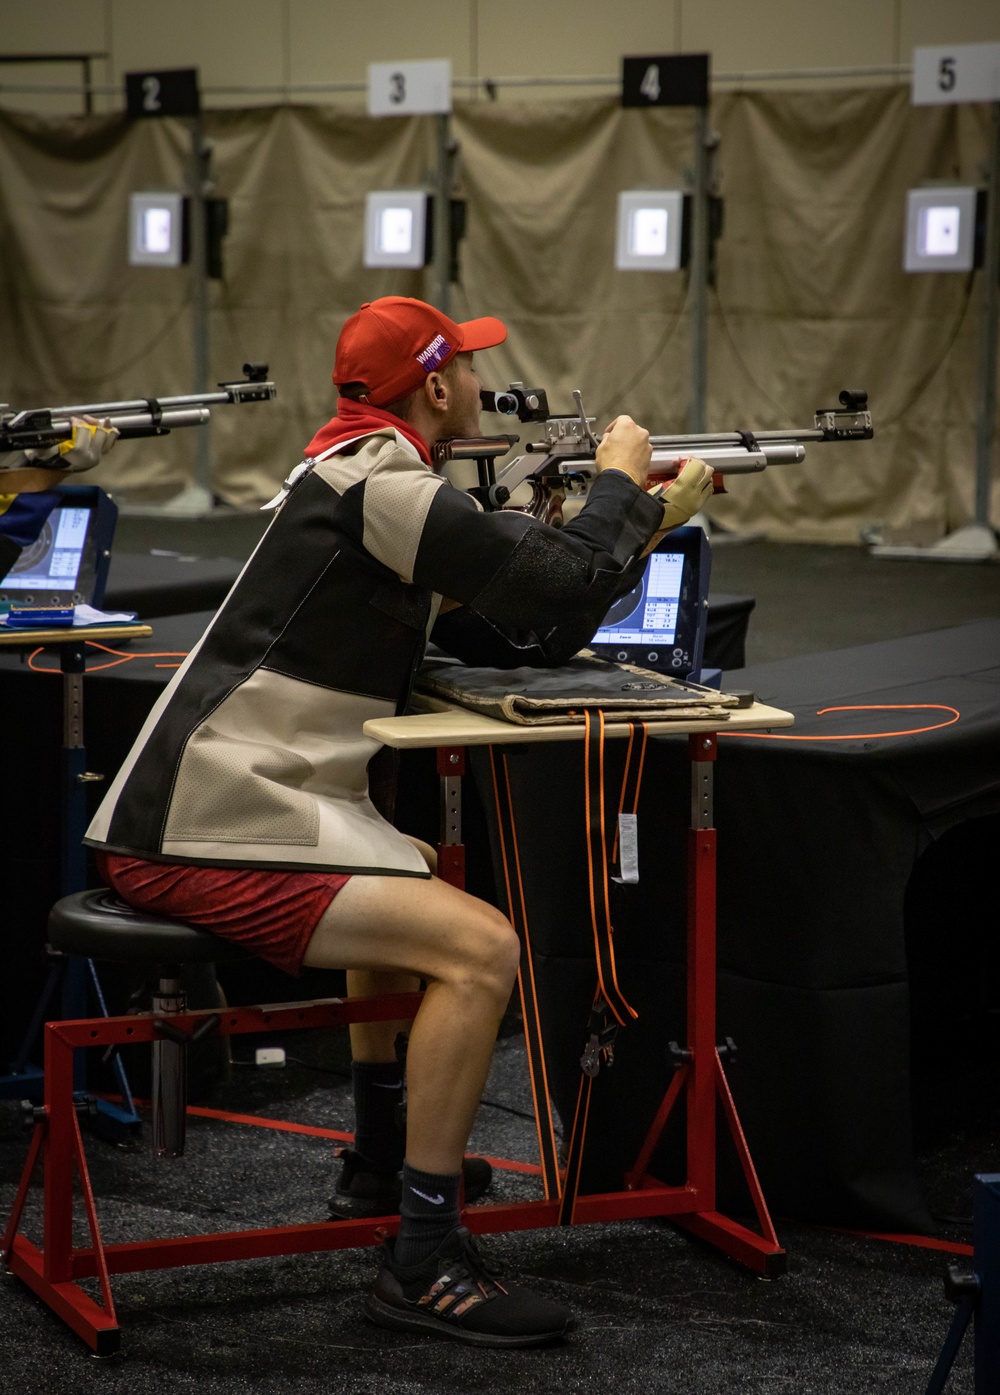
(977, 1294)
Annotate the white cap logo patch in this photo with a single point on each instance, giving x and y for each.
(434, 355)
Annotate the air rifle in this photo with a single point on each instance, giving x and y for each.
(563, 460)
(40, 428)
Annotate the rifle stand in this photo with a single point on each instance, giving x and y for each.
(699, 1078)
(977, 1295)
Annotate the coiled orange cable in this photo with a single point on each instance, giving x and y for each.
(863, 735)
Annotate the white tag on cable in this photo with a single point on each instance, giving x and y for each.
(628, 847)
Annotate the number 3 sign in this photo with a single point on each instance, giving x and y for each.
(409, 89)
(956, 73)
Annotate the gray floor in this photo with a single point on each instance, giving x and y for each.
(812, 598)
(657, 1312)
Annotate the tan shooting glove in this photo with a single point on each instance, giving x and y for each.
(689, 492)
(90, 441)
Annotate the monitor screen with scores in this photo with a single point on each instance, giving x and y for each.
(68, 562)
(660, 624)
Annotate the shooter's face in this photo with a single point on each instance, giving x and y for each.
(464, 385)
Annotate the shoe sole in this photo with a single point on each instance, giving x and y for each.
(349, 1209)
(406, 1320)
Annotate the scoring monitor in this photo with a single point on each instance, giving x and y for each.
(68, 562)
(661, 623)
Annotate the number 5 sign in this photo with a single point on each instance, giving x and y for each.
(956, 73)
(409, 89)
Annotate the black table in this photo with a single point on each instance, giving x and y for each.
(818, 843)
(168, 583)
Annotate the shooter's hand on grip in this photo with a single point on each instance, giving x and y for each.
(625, 447)
(689, 492)
(91, 440)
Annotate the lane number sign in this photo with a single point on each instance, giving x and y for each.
(409, 89)
(169, 92)
(956, 73)
(666, 80)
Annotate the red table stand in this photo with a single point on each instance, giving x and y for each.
(699, 1080)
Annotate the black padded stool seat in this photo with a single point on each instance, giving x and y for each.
(99, 925)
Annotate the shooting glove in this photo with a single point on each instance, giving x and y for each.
(89, 442)
(689, 492)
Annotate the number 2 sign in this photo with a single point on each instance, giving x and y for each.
(169, 92)
(409, 89)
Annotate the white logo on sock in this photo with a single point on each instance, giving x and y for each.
(434, 1200)
(382, 1085)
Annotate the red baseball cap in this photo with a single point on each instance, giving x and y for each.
(393, 343)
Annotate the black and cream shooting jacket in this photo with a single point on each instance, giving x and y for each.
(255, 754)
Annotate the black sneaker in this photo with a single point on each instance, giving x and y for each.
(364, 1191)
(455, 1294)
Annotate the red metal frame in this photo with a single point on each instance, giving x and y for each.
(53, 1271)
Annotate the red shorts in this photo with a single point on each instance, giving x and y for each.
(271, 914)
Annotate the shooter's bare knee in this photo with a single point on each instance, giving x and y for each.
(489, 955)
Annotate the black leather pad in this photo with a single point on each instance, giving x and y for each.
(99, 925)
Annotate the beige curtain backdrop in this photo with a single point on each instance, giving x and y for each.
(810, 294)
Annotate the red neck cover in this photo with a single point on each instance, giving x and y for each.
(357, 418)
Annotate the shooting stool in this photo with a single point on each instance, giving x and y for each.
(96, 924)
(99, 925)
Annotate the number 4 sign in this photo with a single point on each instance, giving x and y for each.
(956, 73)
(409, 89)
(666, 80)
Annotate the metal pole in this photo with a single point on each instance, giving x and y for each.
(441, 293)
(986, 425)
(698, 270)
(200, 157)
(986, 1237)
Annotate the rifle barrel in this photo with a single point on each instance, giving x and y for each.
(141, 404)
(734, 438)
(141, 421)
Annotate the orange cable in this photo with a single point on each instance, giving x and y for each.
(863, 735)
(121, 659)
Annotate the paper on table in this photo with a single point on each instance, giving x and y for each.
(87, 615)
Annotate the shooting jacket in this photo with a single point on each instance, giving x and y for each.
(255, 755)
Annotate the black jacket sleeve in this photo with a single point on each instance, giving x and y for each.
(538, 597)
(9, 553)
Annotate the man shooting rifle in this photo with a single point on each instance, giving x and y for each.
(244, 805)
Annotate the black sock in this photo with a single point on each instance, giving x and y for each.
(378, 1094)
(429, 1211)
